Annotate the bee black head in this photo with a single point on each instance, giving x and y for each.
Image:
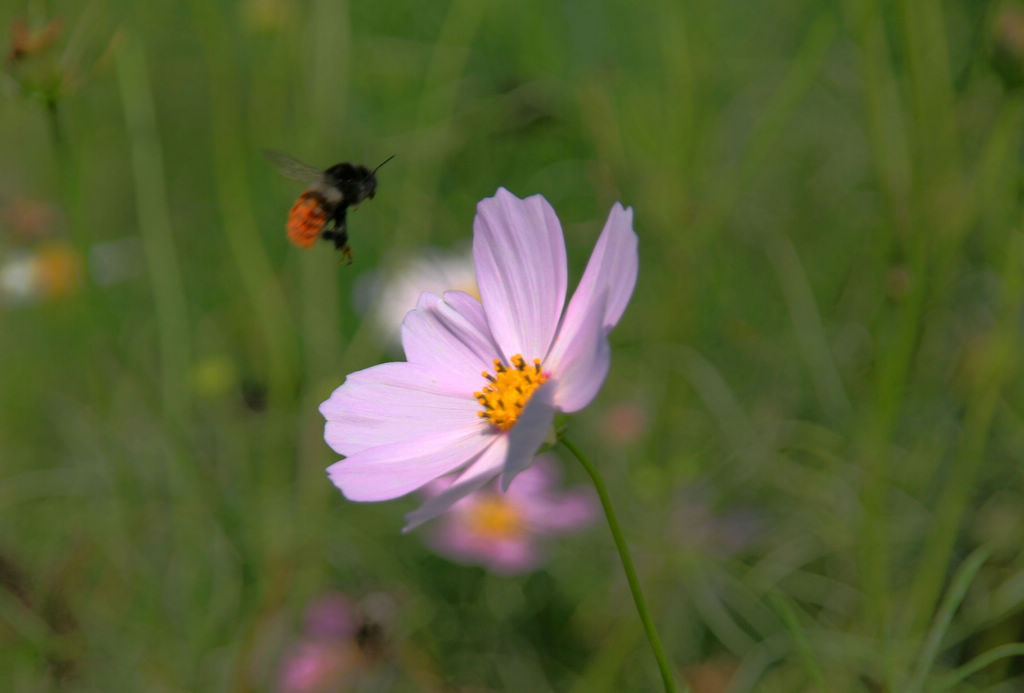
(355, 182)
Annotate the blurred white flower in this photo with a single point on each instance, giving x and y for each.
(54, 269)
(18, 278)
(390, 296)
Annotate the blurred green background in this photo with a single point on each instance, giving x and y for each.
(820, 470)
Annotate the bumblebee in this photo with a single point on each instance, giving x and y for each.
(320, 210)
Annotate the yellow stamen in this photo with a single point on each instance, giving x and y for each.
(493, 517)
(508, 391)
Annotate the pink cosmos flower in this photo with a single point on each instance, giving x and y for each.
(503, 531)
(327, 657)
(318, 666)
(483, 379)
(624, 422)
(332, 616)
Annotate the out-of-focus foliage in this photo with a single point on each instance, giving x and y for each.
(813, 427)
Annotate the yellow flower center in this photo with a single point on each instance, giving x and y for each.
(493, 517)
(57, 270)
(508, 390)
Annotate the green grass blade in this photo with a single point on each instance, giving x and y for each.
(803, 646)
(957, 591)
(1015, 649)
(169, 299)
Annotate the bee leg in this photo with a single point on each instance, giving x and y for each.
(340, 238)
(340, 233)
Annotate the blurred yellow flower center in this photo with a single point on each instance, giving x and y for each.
(508, 390)
(57, 270)
(493, 517)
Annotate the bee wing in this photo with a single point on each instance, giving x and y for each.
(290, 167)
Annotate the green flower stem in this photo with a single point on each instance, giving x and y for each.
(627, 565)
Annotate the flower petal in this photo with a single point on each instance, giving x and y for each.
(484, 469)
(536, 494)
(393, 470)
(393, 402)
(579, 360)
(470, 308)
(565, 512)
(451, 336)
(611, 271)
(519, 253)
(529, 432)
(507, 556)
(513, 556)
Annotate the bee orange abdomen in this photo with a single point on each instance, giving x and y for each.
(307, 219)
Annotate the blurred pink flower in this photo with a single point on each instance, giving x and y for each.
(332, 616)
(484, 379)
(318, 666)
(327, 657)
(624, 422)
(503, 531)
(29, 220)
